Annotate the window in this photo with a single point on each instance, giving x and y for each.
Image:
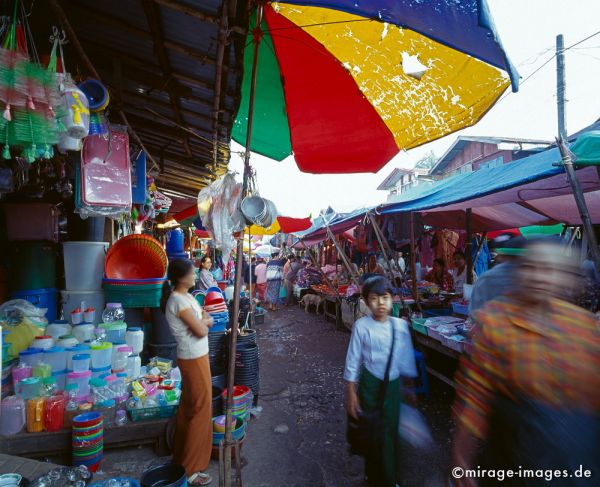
(498, 161)
(461, 170)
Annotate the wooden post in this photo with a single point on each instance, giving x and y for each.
(413, 257)
(566, 156)
(240, 253)
(469, 248)
(355, 277)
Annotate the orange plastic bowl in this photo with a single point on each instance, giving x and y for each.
(136, 257)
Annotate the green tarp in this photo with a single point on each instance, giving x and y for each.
(587, 149)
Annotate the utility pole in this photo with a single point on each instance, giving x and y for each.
(566, 155)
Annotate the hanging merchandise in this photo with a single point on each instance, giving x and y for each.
(103, 186)
(29, 93)
(76, 113)
(98, 98)
(218, 206)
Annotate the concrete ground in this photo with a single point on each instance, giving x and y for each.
(299, 438)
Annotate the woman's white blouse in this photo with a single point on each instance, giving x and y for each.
(370, 346)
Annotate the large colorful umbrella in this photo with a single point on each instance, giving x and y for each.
(345, 85)
(282, 224)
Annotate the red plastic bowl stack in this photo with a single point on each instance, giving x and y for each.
(134, 258)
(215, 303)
(135, 271)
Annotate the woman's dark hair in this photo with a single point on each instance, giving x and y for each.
(460, 254)
(440, 262)
(178, 269)
(376, 285)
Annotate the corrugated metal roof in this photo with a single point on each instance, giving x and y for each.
(159, 60)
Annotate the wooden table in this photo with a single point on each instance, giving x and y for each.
(36, 445)
(29, 469)
(331, 309)
(432, 344)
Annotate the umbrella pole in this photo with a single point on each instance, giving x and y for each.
(566, 157)
(240, 253)
(251, 271)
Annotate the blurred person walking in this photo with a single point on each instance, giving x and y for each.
(274, 280)
(530, 391)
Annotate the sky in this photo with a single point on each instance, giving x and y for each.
(528, 32)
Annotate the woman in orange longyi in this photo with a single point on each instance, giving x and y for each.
(190, 325)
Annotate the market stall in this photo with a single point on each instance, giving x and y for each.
(86, 229)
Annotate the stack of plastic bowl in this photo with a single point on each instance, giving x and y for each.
(247, 367)
(88, 440)
(242, 401)
(217, 346)
(215, 305)
(238, 434)
(135, 271)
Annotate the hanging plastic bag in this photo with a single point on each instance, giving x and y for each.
(218, 207)
(413, 429)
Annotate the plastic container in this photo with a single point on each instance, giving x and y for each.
(35, 415)
(101, 355)
(81, 362)
(43, 342)
(84, 332)
(108, 409)
(82, 380)
(30, 387)
(58, 329)
(114, 312)
(175, 241)
(165, 476)
(98, 373)
(49, 386)
(135, 296)
(92, 299)
(134, 337)
(84, 265)
(42, 298)
(41, 370)
(67, 341)
(71, 406)
(134, 366)
(115, 331)
(20, 372)
(56, 357)
(31, 356)
(32, 265)
(61, 379)
(120, 359)
(77, 349)
(54, 412)
(100, 391)
(12, 416)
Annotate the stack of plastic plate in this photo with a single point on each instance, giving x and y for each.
(88, 440)
(242, 401)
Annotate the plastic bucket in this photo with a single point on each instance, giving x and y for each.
(84, 265)
(41, 298)
(175, 241)
(164, 476)
(72, 300)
